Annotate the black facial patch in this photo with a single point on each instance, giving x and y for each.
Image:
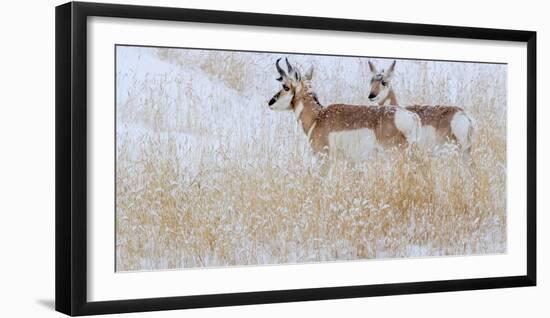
(274, 99)
(315, 98)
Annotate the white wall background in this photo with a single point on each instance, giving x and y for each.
(27, 161)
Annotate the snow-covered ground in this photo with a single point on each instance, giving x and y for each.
(207, 175)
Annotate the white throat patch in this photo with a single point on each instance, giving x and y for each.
(298, 110)
(283, 103)
(382, 97)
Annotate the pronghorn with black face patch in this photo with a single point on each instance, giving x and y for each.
(350, 130)
(440, 124)
(381, 91)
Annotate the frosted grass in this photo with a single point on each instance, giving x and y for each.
(207, 175)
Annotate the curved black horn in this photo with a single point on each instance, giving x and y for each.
(288, 66)
(279, 69)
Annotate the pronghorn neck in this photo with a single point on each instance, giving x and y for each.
(306, 108)
(391, 98)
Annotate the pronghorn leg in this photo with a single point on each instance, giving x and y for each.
(466, 156)
(323, 156)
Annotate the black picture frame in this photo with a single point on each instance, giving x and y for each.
(71, 157)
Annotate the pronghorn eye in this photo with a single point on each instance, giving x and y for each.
(286, 88)
(384, 83)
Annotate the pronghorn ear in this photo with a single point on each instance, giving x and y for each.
(297, 75)
(372, 68)
(390, 70)
(309, 73)
(280, 79)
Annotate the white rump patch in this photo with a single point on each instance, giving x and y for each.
(408, 123)
(356, 145)
(461, 126)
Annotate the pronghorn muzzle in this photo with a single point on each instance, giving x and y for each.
(274, 99)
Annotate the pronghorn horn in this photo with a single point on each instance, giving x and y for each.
(291, 71)
(288, 66)
(280, 70)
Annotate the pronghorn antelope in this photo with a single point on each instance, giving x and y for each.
(350, 130)
(439, 123)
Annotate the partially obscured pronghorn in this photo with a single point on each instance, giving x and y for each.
(439, 123)
(353, 131)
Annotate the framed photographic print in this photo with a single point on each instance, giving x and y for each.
(209, 158)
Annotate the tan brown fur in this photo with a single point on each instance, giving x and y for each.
(439, 117)
(342, 117)
(383, 126)
(381, 82)
(376, 87)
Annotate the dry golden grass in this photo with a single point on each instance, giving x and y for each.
(210, 177)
